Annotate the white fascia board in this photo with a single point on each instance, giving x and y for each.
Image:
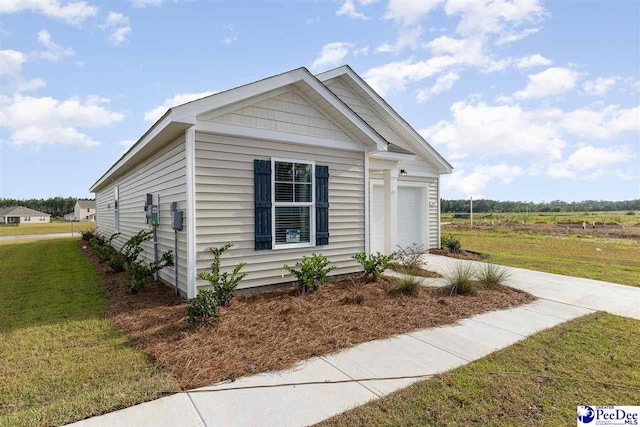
(346, 70)
(271, 135)
(160, 125)
(394, 156)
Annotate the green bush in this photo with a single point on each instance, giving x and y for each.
(410, 256)
(311, 271)
(203, 309)
(374, 264)
(87, 235)
(492, 275)
(460, 279)
(221, 284)
(630, 213)
(138, 271)
(451, 243)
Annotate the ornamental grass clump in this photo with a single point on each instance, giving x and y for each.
(461, 279)
(407, 284)
(492, 275)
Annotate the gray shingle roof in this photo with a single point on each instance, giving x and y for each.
(87, 204)
(21, 211)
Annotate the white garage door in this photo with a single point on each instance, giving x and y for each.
(409, 217)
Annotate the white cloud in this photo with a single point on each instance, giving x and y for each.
(45, 120)
(312, 20)
(589, 162)
(407, 37)
(493, 16)
(115, 19)
(474, 183)
(178, 99)
(512, 37)
(348, 9)
(443, 83)
(119, 35)
(25, 85)
(481, 130)
(73, 13)
(599, 86)
(118, 24)
(410, 12)
(600, 124)
(145, 3)
(552, 81)
(331, 54)
(54, 52)
(11, 62)
(531, 61)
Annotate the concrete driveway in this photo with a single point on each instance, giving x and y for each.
(592, 294)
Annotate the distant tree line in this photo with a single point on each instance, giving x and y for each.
(485, 205)
(54, 206)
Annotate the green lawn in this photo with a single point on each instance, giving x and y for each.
(623, 218)
(592, 360)
(618, 260)
(53, 227)
(60, 359)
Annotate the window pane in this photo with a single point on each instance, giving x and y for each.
(284, 192)
(303, 172)
(303, 192)
(284, 172)
(293, 225)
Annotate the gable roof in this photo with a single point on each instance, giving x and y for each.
(181, 117)
(21, 211)
(398, 124)
(86, 204)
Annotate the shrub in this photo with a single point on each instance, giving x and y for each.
(492, 275)
(410, 256)
(87, 235)
(311, 271)
(133, 247)
(374, 264)
(630, 213)
(407, 284)
(460, 280)
(222, 285)
(138, 271)
(204, 308)
(451, 243)
(101, 248)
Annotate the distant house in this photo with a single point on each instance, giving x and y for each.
(85, 210)
(22, 215)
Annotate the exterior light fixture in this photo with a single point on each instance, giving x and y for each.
(403, 172)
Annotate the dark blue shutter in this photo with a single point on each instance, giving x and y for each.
(262, 190)
(322, 205)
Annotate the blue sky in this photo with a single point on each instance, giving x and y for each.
(529, 100)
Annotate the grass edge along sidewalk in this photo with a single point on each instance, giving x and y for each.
(541, 380)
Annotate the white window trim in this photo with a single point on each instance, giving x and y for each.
(312, 205)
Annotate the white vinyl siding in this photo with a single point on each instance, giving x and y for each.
(162, 174)
(285, 112)
(225, 206)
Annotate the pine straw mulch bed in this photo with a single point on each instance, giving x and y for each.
(273, 330)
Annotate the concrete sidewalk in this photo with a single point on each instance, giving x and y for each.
(328, 385)
(593, 294)
(40, 236)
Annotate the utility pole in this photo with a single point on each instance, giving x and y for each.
(471, 209)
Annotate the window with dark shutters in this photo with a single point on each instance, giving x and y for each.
(262, 189)
(322, 205)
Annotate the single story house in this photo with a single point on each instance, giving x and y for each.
(282, 167)
(22, 215)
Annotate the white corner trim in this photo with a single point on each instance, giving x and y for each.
(367, 207)
(272, 135)
(190, 152)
